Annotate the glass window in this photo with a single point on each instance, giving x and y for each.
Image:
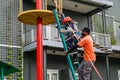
(52, 74)
(118, 74)
(48, 75)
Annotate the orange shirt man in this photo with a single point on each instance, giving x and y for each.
(85, 68)
(87, 45)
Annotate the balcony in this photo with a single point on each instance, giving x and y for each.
(50, 33)
(102, 42)
(84, 6)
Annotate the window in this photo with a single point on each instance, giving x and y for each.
(118, 74)
(52, 74)
(50, 32)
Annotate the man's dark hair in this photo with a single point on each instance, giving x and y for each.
(85, 29)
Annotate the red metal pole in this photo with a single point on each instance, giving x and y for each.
(39, 4)
(39, 54)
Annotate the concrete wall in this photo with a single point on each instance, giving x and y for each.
(115, 10)
(114, 67)
(29, 64)
(78, 17)
(60, 63)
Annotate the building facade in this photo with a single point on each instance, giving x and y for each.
(98, 18)
(10, 37)
(98, 15)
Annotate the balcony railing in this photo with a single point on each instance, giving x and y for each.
(51, 33)
(102, 39)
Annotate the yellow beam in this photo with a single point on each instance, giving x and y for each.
(45, 4)
(20, 6)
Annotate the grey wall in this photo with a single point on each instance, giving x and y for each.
(80, 18)
(115, 10)
(100, 64)
(101, 67)
(53, 62)
(114, 67)
(60, 63)
(56, 62)
(29, 64)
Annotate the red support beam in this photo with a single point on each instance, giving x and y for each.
(39, 4)
(39, 54)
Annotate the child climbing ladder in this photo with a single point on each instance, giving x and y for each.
(70, 31)
(59, 16)
(63, 38)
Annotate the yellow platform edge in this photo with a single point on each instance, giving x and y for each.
(30, 17)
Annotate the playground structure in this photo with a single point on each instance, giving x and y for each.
(44, 17)
(39, 17)
(33, 19)
(6, 69)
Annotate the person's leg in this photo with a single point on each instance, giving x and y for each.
(87, 70)
(69, 43)
(80, 71)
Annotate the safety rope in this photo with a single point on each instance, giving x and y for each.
(57, 6)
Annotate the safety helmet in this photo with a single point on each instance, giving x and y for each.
(66, 19)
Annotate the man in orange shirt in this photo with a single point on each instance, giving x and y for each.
(85, 67)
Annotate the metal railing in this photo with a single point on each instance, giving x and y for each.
(103, 40)
(51, 33)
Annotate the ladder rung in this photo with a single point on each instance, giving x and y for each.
(103, 48)
(99, 47)
(73, 53)
(107, 50)
(96, 45)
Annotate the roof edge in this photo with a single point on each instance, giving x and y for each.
(104, 2)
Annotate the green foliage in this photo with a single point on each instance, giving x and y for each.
(19, 75)
(99, 28)
(9, 77)
(97, 24)
(20, 78)
(112, 37)
(10, 63)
